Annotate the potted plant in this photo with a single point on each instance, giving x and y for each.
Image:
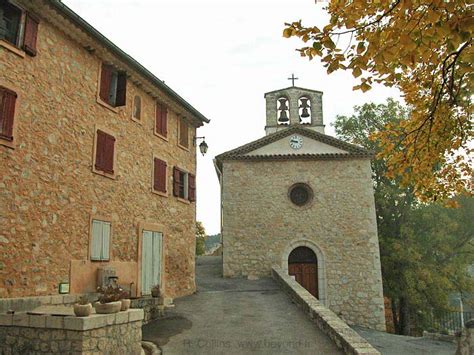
(155, 291)
(109, 300)
(83, 307)
(125, 300)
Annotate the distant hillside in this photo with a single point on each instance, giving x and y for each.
(212, 242)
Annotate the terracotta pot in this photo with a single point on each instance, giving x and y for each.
(82, 310)
(125, 304)
(105, 308)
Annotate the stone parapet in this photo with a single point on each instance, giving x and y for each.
(342, 335)
(24, 304)
(23, 333)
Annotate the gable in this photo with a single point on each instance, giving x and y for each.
(309, 146)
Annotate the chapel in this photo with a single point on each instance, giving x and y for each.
(303, 201)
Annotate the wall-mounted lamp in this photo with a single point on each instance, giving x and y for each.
(202, 146)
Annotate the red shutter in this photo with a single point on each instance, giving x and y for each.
(7, 113)
(159, 177)
(31, 34)
(176, 181)
(161, 118)
(109, 154)
(104, 155)
(121, 97)
(164, 121)
(191, 188)
(105, 79)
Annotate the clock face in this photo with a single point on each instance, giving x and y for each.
(296, 141)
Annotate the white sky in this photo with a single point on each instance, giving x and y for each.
(222, 56)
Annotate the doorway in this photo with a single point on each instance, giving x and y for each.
(303, 265)
(152, 247)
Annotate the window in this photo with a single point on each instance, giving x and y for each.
(159, 175)
(18, 28)
(184, 185)
(104, 153)
(7, 113)
(113, 86)
(100, 240)
(300, 194)
(161, 120)
(137, 108)
(183, 134)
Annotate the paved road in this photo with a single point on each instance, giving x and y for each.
(236, 316)
(391, 344)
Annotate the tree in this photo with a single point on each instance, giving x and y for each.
(424, 48)
(424, 248)
(200, 238)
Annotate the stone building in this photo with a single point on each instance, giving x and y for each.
(97, 160)
(303, 201)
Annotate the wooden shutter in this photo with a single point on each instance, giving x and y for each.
(161, 119)
(147, 262)
(183, 133)
(156, 257)
(159, 175)
(31, 34)
(191, 188)
(7, 113)
(176, 181)
(121, 97)
(96, 240)
(104, 156)
(105, 241)
(105, 81)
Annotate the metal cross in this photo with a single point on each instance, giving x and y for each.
(293, 79)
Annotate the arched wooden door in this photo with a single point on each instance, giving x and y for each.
(303, 265)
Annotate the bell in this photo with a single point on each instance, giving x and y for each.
(305, 113)
(283, 106)
(304, 102)
(283, 117)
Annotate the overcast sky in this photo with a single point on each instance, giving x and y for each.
(222, 56)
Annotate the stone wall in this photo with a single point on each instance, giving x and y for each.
(261, 227)
(24, 304)
(118, 333)
(342, 335)
(466, 339)
(48, 191)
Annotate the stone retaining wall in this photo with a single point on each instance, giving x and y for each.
(152, 307)
(24, 304)
(342, 335)
(118, 333)
(466, 340)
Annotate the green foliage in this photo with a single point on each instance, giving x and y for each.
(425, 249)
(200, 238)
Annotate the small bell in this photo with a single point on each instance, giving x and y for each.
(283, 104)
(283, 117)
(305, 113)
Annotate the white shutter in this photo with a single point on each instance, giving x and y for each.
(105, 241)
(147, 245)
(156, 257)
(96, 242)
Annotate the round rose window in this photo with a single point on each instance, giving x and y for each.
(300, 194)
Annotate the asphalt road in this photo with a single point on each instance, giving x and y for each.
(236, 316)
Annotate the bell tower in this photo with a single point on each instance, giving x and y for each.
(294, 106)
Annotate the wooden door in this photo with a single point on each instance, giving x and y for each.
(306, 274)
(151, 260)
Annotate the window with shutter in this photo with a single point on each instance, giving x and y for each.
(161, 120)
(159, 175)
(31, 34)
(191, 187)
(104, 154)
(183, 134)
(100, 240)
(176, 181)
(113, 86)
(181, 183)
(137, 108)
(7, 113)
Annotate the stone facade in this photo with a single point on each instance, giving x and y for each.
(48, 190)
(118, 333)
(261, 226)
